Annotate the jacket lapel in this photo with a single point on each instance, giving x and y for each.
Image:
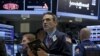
(55, 38)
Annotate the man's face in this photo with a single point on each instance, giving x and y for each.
(48, 23)
(25, 40)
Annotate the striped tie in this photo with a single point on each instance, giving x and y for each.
(49, 41)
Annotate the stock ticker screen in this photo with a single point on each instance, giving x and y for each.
(7, 32)
(24, 6)
(95, 32)
(78, 8)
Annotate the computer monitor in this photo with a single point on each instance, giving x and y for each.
(7, 32)
(25, 6)
(95, 32)
(86, 9)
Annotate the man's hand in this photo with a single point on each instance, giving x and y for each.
(41, 52)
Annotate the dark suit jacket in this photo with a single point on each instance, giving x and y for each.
(81, 47)
(2, 48)
(59, 46)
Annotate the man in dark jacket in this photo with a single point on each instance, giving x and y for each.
(55, 42)
(2, 48)
(85, 43)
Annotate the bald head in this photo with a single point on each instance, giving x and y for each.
(84, 33)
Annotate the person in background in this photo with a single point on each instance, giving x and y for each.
(54, 41)
(70, 35)
(40, 34)
(84, 42)
(27, 38)
(2, 48)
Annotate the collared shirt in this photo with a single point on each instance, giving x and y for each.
(49, 38)
(51, 34)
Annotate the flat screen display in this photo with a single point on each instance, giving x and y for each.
(7, 32)
(95, 32)
(87, 9)
(25, 6)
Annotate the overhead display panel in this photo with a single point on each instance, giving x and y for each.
(25, 6)
(88, 9)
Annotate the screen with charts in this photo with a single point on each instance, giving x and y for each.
(25, 6)
(87, 9)
(7, 32)
(95, 32)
